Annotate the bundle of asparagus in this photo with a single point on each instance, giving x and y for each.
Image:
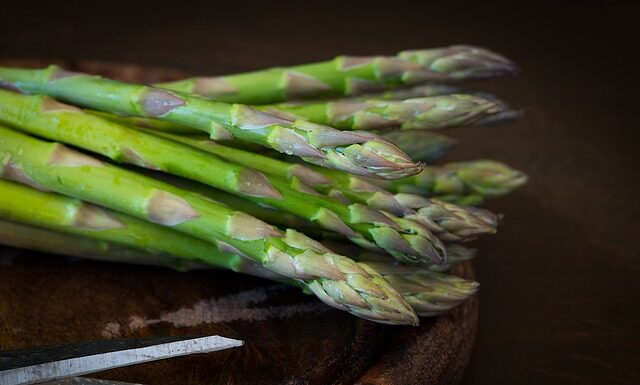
(290, 212)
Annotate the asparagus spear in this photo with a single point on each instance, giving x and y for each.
(429, 113)
(360, 153)
(428, 293)
(336, 280)
(449, 222)
(75, 217)
(348, 75)
(429, 90)
(464, 183)
(40, 115)
(421, 145)
(427, 107)
(424, 146)
(300, 177)
(23, 236)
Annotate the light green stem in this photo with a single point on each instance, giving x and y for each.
(429, 293)
(349, 75)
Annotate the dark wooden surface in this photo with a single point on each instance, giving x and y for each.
(290, 338)
(560, 281)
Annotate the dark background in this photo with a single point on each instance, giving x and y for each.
(560, 288)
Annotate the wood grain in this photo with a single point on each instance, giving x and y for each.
(290, 338)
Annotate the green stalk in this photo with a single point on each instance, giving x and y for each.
(300, 177)
(349, 75)
(44, 117)
(336, 280)
(75, 217)
(361, 153)
(421, 145)
(428, 293)
(429, 113)
(449, 222)
(27, 237)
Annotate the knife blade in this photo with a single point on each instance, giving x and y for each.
(36, 365)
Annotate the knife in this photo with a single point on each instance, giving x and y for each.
(48, 363)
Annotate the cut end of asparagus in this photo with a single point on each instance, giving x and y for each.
(461, 62)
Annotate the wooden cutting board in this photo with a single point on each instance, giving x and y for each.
(290, 338)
